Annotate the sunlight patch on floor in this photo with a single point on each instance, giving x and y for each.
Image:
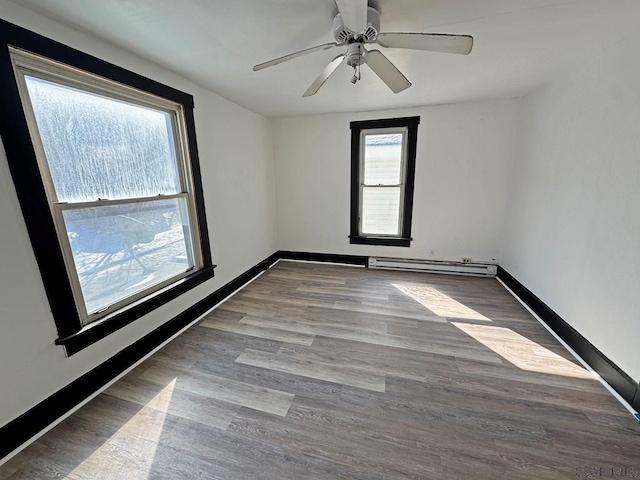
(130, 452)
(522, 352)
(439, 303)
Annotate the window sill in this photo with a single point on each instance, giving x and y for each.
(98, 330)
(387, 241)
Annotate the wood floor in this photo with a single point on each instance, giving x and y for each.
(322, 372)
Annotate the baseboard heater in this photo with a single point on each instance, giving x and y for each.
(478, 269)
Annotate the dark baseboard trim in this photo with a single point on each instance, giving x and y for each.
(325, 257)
(32, 422)
(609, 371)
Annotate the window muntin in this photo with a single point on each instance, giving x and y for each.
(382, 184)
(138, 142)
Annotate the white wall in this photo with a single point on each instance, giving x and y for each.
(573, 230)
(462, 167)
(236, 156)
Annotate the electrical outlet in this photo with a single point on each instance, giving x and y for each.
(466, 259)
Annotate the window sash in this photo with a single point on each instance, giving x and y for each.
(371, 212)
(26, 63)
(401, 185)
(74, 276)
(29, 64)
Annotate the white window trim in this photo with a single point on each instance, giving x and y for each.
(402, 185)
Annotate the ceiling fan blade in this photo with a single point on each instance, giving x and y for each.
(291, 56)
(387, 71)
(324, 75)
(432, 42)
(354, 14)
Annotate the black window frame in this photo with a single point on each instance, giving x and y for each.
(30, 189)
(404, 239)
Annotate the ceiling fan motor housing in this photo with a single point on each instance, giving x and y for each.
(343, 35)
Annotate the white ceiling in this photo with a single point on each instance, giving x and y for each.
(519, 45)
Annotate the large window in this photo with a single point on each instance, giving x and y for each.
(383, 164)
(113, 170)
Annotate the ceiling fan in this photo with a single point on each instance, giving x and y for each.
(356, 25)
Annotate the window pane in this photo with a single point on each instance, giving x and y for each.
(382, 159)
(98, 147)
(381, 210)
(120, 250)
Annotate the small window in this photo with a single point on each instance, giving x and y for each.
(382, 169)
(106, 170)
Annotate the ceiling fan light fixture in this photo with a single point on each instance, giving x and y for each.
(356, 55)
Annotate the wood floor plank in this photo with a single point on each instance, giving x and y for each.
(178, 354)
(351, 355)
(219, 388)
(493, 373)
(222, 345)
(303, 277)
(303, 301)
(311, 323)
(175, 401)
(263, 308)
(369, 308)
(258, 331)
(355, 293)
(372, 337)
(297, 364)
